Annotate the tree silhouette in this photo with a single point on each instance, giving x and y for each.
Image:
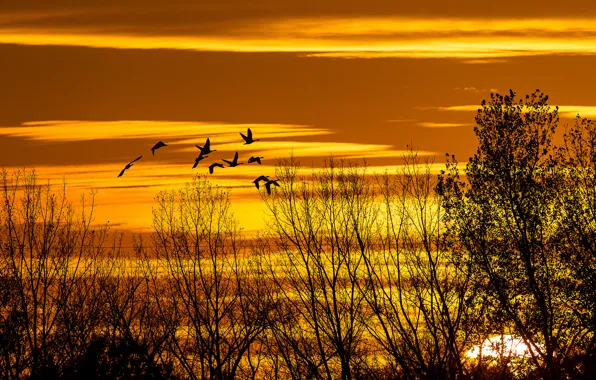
(505, 215)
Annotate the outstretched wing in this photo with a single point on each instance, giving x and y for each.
(207, 145)
(268, 187)
(196, 163)
(122, 172)
(135, 160)
(256, 182)
(236, 157)
(244, 137)
(249, 134)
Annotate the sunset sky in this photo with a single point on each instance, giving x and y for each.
(88, 85)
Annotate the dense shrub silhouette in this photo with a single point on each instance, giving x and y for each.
(116, 359)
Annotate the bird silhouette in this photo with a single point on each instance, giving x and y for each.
(200, 158)
(264, 178)
(160, 144)
(248, 139)
(269, 183)
(206, 149)
(255, 159)
(129, 165)
(234, 162)
(213, 165)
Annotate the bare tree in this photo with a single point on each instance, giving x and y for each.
(417, 294)
(46, 251)
(319, 227)
(202, 286)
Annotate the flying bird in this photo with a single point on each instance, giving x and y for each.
(213, 166)
(234, 162)
(199, 159)
(264, 178)
(255, 159)
(248, 139)
(269, 183)
(160, 144)
(206, 149)
(129, 165)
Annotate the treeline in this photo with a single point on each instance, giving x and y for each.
(356, 276)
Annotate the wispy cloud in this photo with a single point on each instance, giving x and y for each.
(137, 188)
(441, 125)
(475, 40)
(564, 111)
(70, 130)
(475, 90)
(277, 140)
(279, 149)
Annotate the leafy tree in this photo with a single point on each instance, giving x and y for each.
(504, 215)
(577, 238)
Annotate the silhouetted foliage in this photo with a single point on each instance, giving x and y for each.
(116, 359)
(506, 219)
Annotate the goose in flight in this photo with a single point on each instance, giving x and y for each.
(199, 159)
(255, 159)
(264, 178)
(129, 165)
(248, 139)
(206, 149)
(269, 183)
(160, 144)
(234, 162)
(213, 165)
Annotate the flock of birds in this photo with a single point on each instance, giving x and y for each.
(205, 150)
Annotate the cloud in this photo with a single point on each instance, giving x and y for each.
(485, 61)
(441, 125)
(471, 40)
(75, 130)
(465, 108)
(277, 140)
(471, 89)
(475, 90)
(278, 149)
(564, 111)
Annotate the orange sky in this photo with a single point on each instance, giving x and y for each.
(86, 88)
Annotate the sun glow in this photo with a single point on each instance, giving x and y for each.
(503, 346)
